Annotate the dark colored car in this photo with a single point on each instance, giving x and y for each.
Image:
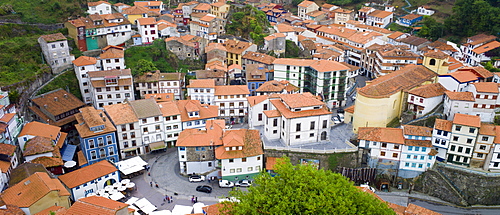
(204, 188)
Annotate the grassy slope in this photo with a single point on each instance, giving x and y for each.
(44, 11)
(67, 79)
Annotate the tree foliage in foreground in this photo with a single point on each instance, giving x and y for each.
(302, 189)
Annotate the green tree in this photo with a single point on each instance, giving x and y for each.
(473, 16)
(431, 29)
(291, 50)
(302, 189)
(143, 66)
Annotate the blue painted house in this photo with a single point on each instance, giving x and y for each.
(256, 74)
(410, 19)
(97, 136)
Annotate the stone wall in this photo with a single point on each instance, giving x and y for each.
(326, 161)
(460, 187)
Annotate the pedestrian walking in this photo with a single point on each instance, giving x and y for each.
(196, 199)
(168, 199)
(171, 199)
(192, 199)
(156, 185)
(151, 183)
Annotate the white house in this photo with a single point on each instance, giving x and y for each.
(38, 129)
(202, 90)
(194, 114)
(306, 7)
(99, 7)
(296, 119)
(384, 145)
(493, 162)
(486, 95)
(172, 121)
(148, 29)
(110, 87)
(172, 83)
(82, 66)
(441, 137)
(89, 179)
(256, 106)
(458, 102)
(241, 154)
(458, 81)
(10, 161)
(484, 144)
(417, 154)
(425, 10)
(113, 57)
(127, 128)
(379, 18)
(55, 49)
(151, 123)
(463, 139)
(232, 102)
(476, 47)
(424, 99)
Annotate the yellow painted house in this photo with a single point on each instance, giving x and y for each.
(384, 98)
(236, 49)
(135, 12)
(219, 9)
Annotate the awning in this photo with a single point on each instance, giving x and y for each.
(131, 165)
(157, 145)
(130, 149)
(145, 206)
(68, 152)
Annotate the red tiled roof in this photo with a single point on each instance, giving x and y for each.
(428, 90)
(88, 173)
(460, 96)
(387, 135)
(468, 120)
(442, 124)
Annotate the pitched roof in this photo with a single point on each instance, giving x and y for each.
(275, 86)
(210, 136)
(49, 161)
(88, 173)
(406, 78)
(57, 102)
(38, 145)
(215, 46)
(113, 72)
(306, 3)
(253, 100)
(169, 108)
(98, 3)
(319, 65)
(96, 205)
(300, 100)
(287, 113)
(121, 113)
(160, 97)
(350, 109)
(481, 38)
(442, 124)
(53, 37)
(411, 16)
(205, 111)
(236, 47)
(486, 87)
(202, 6)
(28, 191)
(112, 53)
(259, 57)
(145, 108)
(436, 54)
(146, 21)
(387, 135)
(380, 13)
(90, 117)
(272, 113)
(421, 143)
(7, 149)
(487, 129)
(85, 60)
(463, 76)
(479, 71)
(40, 129)
(201, 83)
(247, 138)
(52, 209)
(135, 10)
(231, 90)
(428, 90)
(460, 96)
(413, 40)
(395, 35)
(468, 120)
(417, 130)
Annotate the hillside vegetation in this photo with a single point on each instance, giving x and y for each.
(249, 23)
(41, 11)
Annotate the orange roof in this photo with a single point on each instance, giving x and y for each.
(97, 3)
(411, 16)
(28, 191)
(479, 71)
(436, 54)
(231, 90)
(206, 111)
(201, 83)
(85, 60)
(406, 78)
(417, 130)
(7, 149)
(460, 96)
(202, 6)
(121, 113)
(219, 3)
(161, 97)
(270, 162)
(40, 129)
(487, 129)
(90, 117)
(48, 161)
(463, 76)
(442, 124)
(88, 173)
(319, 65)
(350, 109)
(113, 53)
(53, 37)
(247, 138)
(259, 57)
(146, 21)
(306, 3)
(96, 205)
(53, 209)
(481, 38)
(387, 135)
(135, 10)
(276, 86)
(468, 120)
(253, 100)
(148, 3)
(421, 143)
(395, 35)
(272, 113)
(236, 47)
(300, 100)
(211, 136)
(38, 145)
(57, 102)
(287, 113)
(415, 209)
(380, 13)
(169, 108)
(428, 90)
(486, 87)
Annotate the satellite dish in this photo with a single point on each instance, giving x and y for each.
(70, 164)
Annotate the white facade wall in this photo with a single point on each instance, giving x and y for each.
(232, 105)
(196, 123)
(84, 81)
(152, 129)
(204, 95)
(462, 143)
(110, 95)
(253, 165)
(451, 107)
(453, 85)
(100, 9)
(171, 87)
(32, 157)
(494, 163)
(428, 103)
(148, 32)
(113, 63)
(119, 35)
(173, 126)
(56, 53)
(94, 185)
(255, 114)
(416, 158)
(371, 20)
(440, 141)
(129, 138)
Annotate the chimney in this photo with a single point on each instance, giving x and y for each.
(65, 95)
(45, 106)
(100, 114)
(55, 99)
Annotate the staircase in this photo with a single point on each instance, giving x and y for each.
(459, 193)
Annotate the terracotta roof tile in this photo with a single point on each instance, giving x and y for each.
(96, 205)
(53, 209)
(38, 145)
(135, 10)
(272, 113)
(112, 53)
(210, 136)
(57, 102)
(350, 109)
(275, 86)
(319, 65)
(406, 78)
(253, 100)
(460, 96)
(90, 117)
(306, 3)
(417, 210)
(486, 87)
(442, 124)
(421, 143)
(436, 54)
(395, 35)
(53, 37)
(113, 72)
(206, 111)
(121, 113)
(202, 83)
(88, 173)
(479, 71)
(413, 40)
(487, 129)
(481, 38)
(231, 90)
(5, 166)
(98, 3)
(380, 13)
(202, 6)
(270, 162)
(411, 16)
(7, 149)
(487, 47)
(428, 90)
(287, 113)
(252, 144)
(160, 97)
(468, 120)
(236, 47)
(300, 100)
(387, 135)
(169, 108)
(85, 60)
(48, 161)
(215, 46)
(146, 21)
(417, 130)
(27, 192)
(40, 129)
(259, 57)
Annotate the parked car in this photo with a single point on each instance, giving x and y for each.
(243, 183)
(336, 120)
(196, 178)
(341, 117)
(204, 188)
(340, 111)
(226, 183)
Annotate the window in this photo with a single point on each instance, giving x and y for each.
(231, 170)
(452, 148)
(422, 157)
(145, 129)
(312, 125)
(469, 140)
(455, 138)
(157, 127)
(182, 148)
(259, 116)
(250, 169)
(467, 150)
(238, 169)
(275, 122)
(297, 136)
(407, 164)
(382, 153)
(311, 135)
(100, 141)
(384, 145)
(472, 130)
(413, 165)
(231, 160)
(394, 155)
(408, 156)
(132, 134)
(244, 160)
(460, 149)
(157, 119)
(479, 155)
(396, 146)
(325, 123)
(458, 128)
(410, 148)
(144, 120)
(420, 165)
(265, 106)
(297, 127)
(111, 151)
(482, 147)
(484, 138)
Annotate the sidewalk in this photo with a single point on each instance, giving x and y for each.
(401, 197)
